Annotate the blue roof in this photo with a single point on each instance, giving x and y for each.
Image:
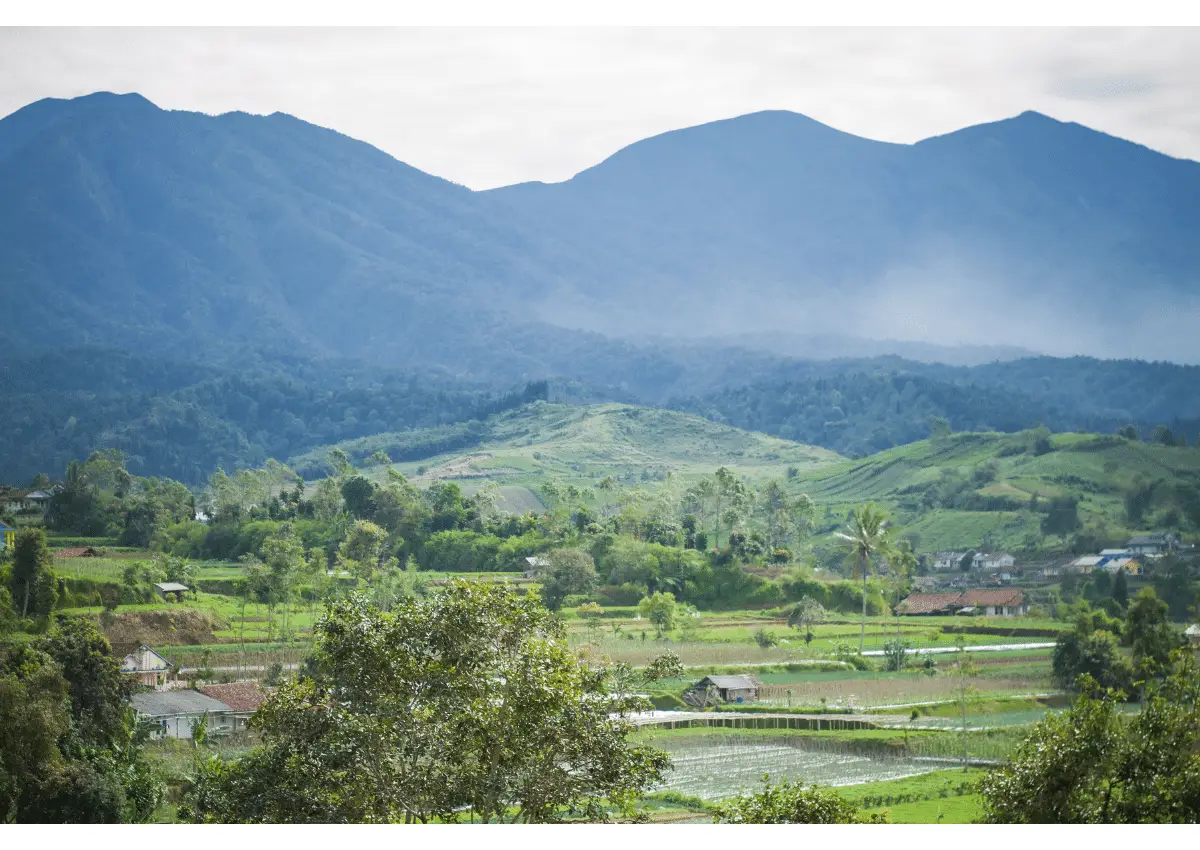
(5, 527)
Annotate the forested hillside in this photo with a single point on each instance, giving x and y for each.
(875, 405)
(185, 420)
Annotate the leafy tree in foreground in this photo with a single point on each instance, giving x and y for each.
(469, 697)
(788, 803)
(1093, 764)
(69, 752)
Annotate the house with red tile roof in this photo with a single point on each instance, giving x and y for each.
(243, 699)
(999, 602)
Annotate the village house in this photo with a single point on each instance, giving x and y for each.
(1082, 564)
(1001, 561)
(31, 502)
(173, 714)
(735, 689)
(1132, 566)
(1192, 633)
(8, 537)
(242, 698)
(145, 665)
(1008, 602)
(946, 561)
(1154, 545)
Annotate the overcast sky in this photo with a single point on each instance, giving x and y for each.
(489, 107)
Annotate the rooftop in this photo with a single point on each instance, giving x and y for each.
(239, 696)
(731, 681)
(168, 703)
(171, 586)
(929, 603)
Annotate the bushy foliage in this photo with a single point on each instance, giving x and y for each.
(785, 802)
(1093, 764)
(69, 748)
(516, 728)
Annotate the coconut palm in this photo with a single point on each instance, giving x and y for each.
(868, 538)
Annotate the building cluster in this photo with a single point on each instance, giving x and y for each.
(174, 710)
(1131, 558)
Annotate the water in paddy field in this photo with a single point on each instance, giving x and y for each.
(716, 768)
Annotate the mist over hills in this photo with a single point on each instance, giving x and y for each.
(246, 259)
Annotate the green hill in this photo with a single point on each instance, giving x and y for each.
(584, 444)
(961, 491)
(969, 490)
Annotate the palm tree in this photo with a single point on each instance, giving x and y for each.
(868, 537)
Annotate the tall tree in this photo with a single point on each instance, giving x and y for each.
(867, 535)
(33, 585)
(1150, 633)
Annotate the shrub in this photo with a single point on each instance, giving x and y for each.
(765, 639)
(788, 803)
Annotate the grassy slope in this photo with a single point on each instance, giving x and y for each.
(1097, 469)
(588, 443)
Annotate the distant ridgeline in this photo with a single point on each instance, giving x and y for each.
(184, 419)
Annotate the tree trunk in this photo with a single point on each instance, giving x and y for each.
(862, 635)
(25, 605)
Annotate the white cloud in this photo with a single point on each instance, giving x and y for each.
(490, 107)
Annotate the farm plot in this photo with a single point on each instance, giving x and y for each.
(882, 689)
(719, 767)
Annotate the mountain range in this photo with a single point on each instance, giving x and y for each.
(201, 289)
(166, 231)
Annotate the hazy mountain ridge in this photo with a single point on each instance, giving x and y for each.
(130, 226)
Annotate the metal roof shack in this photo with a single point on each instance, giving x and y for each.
(728, 688)
(167, 587)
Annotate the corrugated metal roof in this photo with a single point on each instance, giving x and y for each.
(171, 586)
(167, 703)
(735, 682)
